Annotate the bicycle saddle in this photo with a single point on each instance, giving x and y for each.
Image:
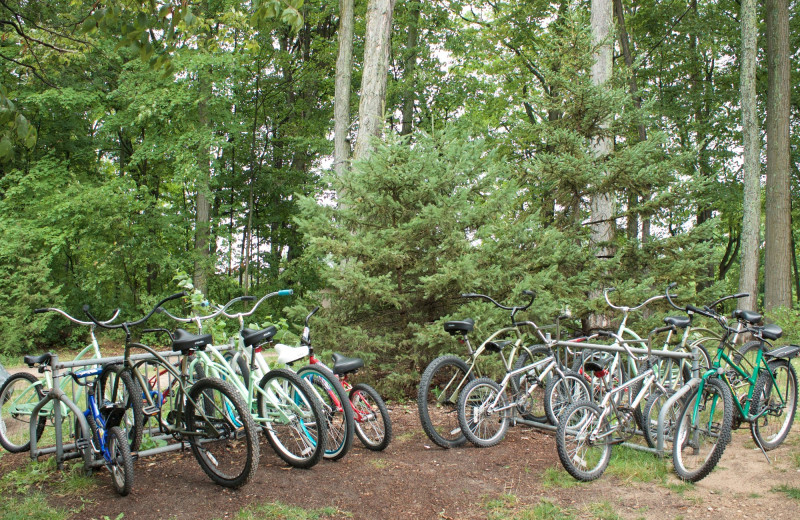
(678, 321)
(345, 365)
(256, 337)
(750, 316)
(597, 362)
(183, 341)
(459, 327)
(771, 331)
(43, 359)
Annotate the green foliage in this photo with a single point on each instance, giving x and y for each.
(277, 510)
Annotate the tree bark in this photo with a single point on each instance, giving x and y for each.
(751, 144)
(602, 204)
(341, 101)
(203, 195)
(410, 65)
(777, 262)
(377, 44)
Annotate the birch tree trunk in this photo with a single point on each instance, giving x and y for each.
(377, 44)
(777, 262)
(751, 221)
(341, 101)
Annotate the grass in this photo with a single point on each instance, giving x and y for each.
(630, 465)
(603, 511)
(20, 495)
(789, 491)
(280, 511)
(559, 478)
(379, 463)
(506, 507)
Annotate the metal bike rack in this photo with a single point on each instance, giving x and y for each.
(66, 451)
(692, 383)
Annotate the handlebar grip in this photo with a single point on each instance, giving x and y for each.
(40, 311)
(692, 308)
(248, 298)
(528, 292)
(673, 284)
(741, 295)
(605, 333)
(286, 292)
(609, 289)
(469, 295)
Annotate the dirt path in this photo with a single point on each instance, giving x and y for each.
(413, 479)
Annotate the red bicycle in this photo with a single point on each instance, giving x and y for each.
(370, 415)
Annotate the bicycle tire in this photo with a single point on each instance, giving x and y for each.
(781, 403)
(115, 385)
(26, 393)
(294, 422)
(239, 364)
(481, 425)
(227, 432)
(692, 456)
(437, 399)
(372, 422)
(561, 392)
(652, 409)
(534, 408)
(339, 417)
(121, 464)
(583, 458)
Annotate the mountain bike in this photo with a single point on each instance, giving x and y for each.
(370, 414)
(287, 408)
(769, 403)
(588, 430)
(21, 391)
(209, 414)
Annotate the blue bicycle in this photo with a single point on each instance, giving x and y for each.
(108, 440)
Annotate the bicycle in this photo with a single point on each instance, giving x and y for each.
(588, 430)
(769, 404)
(209, 413)
(108, 440)
(370, 415)
(485, 408)
(21, 391)
(288, 410)
(445, 377)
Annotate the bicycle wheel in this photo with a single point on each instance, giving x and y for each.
(115, 385)
(701, 437)
(437, 398)
(777, 401)
(334, 402)
(19, 394)
(533, 408)
(373, 426)
(478, 414)
(561, 392)
(583, 448)
(120, 463)
(294, 423)
(652, 409)
(224, 439)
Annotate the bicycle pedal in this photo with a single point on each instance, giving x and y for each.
(150, 411)
(82, 443)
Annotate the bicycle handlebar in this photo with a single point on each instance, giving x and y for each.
(625, 308)
(514, 309)
(126, 324)
(73, 319)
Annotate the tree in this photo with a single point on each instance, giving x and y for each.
(751, 152)
(377, 44)
(341, 102)
(777, 258)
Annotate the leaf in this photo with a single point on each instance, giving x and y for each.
(6, 148)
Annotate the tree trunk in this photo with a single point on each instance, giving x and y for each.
(777, 262)
(410, 65)
(751, 143)
(602, 204)
(377, 44)
(341, 101)
(203, 196)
